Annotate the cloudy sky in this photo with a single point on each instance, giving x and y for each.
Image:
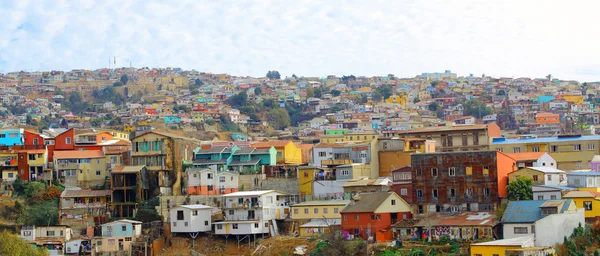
(311, 38)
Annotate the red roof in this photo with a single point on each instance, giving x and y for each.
(273, 143)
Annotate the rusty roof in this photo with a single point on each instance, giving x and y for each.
(128, 169)
(78, 154)
(84, 193)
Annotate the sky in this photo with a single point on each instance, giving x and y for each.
(507, 38)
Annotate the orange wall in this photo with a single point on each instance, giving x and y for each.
(505, 165)
(389, 161)
(493, 130)
(550, 119)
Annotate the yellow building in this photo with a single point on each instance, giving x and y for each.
(572, 152)
(539, 175)
(329, 209)
(589, 200)
(9, 165)
(398, 99)
(287, 151)
(81, 168)
(360, 137)
(575, 99)
(306, 177)
(118, 135)
(332, 138)
(513, 246)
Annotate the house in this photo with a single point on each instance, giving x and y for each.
(317, 183)
(253, 212)
(118, 236)
(210, 182)
(550, 192)
(80, 208)
(548, 220)
(364, 185)
(584, 180)
(329, 209)
(130, 186)
(572, 152)
(190, 218)
(162, 154)
(453, 138)
(11, 136)
(287, 151)
(172, 120)
(374, 214)
(540, 175)
(458, 226)
(334, 154)
(588, 200)
(402, 183)
(459, 181)
(523, 245)
(53, 238)
(81, 168)
(533, 159)
(319, 227)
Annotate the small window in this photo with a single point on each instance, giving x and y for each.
(316, 210)
(435, 193)
(128, 239)
(194, 213)
(209, 176)
(99, 243)
(535, 178)
(123, 227)
(221, 179)
(540, 198)
(535, 149)
(549, 177)
(174, 224)
(553, 197)
(255, 225)
(553, 148)
(377, 217)
(520, 230)
(452, 171)
(98, 173)
(67, 141)
(486, 191)
(49, 233)
(577, 147)
(468, 192)
(393, 202)
(434, 172)
(295, 211)
(591, 146)
(234, 226)
(179, 215)
(419, 172)
(219, 226)
(356, 217)
(345, 218)
(305, 210)
(403, 192)
(452, 192)
(517, 150)
(587, 205)
(419, 193)
(486, 170)
(469, 170)
(325, 210)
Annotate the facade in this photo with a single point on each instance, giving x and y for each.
(287, 151)
(588, 200)
(79, 207)
(402, 183)
(253, 212)
(190, 218)
(458, 226)
(334, 154)
(211, 182)
(117, 236)
(395, 152)
(329, 209)
(374, 214)
(459, 181)
(572, 152)
(81, 168)
(547, 118)
(540, 175)
(163, 155)
(548, 220)
(548, 192)
(475, 137)
(53, 238)
(584, 180)
(533, 159)
(129, 186)
(516, 246)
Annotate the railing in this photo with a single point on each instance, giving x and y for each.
(92, 205)
(336, 162)
(244, 206)
(241, 218)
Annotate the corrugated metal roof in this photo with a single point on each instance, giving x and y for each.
(545, 140)
(529, 211)
(84, 193)
(368, 202)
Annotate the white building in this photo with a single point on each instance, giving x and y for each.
(190, 218)
(253, 212)
(583, 179)
(53, 238)
(549, 192)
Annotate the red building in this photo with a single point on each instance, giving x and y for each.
(402, 183)
(372, 215)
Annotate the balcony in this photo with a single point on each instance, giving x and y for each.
(242, 218)
(243, 206)
(88, 205)
(335, 162)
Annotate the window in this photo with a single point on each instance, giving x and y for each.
(221, 179)
(549, 178)
(174, 224)
(535, 178)
(316, 210)
(587, 205)
(67, 140)
(449, 140)
(255, 225)
(219, 226)
(475, 138)
(356, 217)
(517, 150)
(356, 232)
(419, 172)
(500, 149)
(419, 193)
(128, 239)
(10, 174)
(469, 170)
(468, 192)
(295, 211)
(279, 154)
(210, 187)
(435, 193)
(464, 139)
(591, 146)
(335, 210)
(377, 217)
(535, 149)
(434, 172)
(520, 230)
(540, 198)
(486, 191)
(266, 224)
(452, 171)
(345, 217)
(305, 210)
(123, 227)
(323, 154)
(209, 176)
(179, 215)
(372, 216)
(553, 197)
(98, 173)
(194, 213)
(577, 147)
(49, 233)
(234, 226)
(345, 172)
(486, 170)
(553, 148)
(325, 210)
(420, 209)
(31, 156)
(452, 192)
(99, 243)
(403, 192)
(230, 212)
(3, 135)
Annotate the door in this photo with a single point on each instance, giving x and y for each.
(226, 228)
(251, 214)
(394, 217)
(121, 244)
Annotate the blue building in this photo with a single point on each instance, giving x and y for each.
(11, 136)
(233, 158)
(122, 228)
(172, 120)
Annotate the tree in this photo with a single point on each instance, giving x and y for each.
(35, 191)
(240, 99)
(124, 79)
(118, 83)
(520, 189)
(476, 108)
(385, 90)
(377, 96)
(549, 77)
(43, 213)
(310, 92)
(279, 118)
(198, 82)
(501, 92)
(318, 92)
(335, 93)
(294, 76)
(273, 74)
(433, 106)
(416, 100)
(345, 79)
(257, 91)
(13, 245)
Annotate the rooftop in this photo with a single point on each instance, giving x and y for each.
(523, 241)
(500, 141)
(523, 156)
(84, 193)
(252, 193)
(368, 202)
(443, 128)
(128, 169)
(323, 203)
(273, 143)
(195, 207)
(78, 154)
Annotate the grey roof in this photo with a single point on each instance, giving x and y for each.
(209, 161)
(529, 211)
(261, 151)
(323, 203)
(368, 202)
(244, 151)
(237, 162)
(317, 223)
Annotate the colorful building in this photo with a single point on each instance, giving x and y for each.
(210, 182)
(80, 168)
(547, 118)
(287, 151)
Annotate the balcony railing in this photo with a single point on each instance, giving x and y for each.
(336, 162)
(241, 218)
(244, 206)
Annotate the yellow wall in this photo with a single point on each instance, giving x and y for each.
(6, 172)
(96, 164)
(576, 99)
(360, 137)
(595, 212)
(529, 173)
(488, 250)
(292, 154)
(320, 214)
(399, 206)
(40, 159)
(305, 182)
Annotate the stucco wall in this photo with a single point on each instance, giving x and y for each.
(552, 229)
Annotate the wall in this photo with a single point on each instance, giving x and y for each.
(284, 185)
(552, 229)
(547, 195)
(391, 160)
(509, 229)
(292, 154)
(331, 214)
(195, 223)
(505, 166)
(328, 189)
(489, 250)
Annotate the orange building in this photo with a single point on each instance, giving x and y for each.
(547, 118)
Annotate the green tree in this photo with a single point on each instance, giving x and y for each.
(13, 245)
(240, 99)
(385, 90)
(43, 213)
(433, 106)
(476, 108)
(520, 189)
(549, 77)
(416, 100)
(279, 118)
(124, 79)
(377, 96)
(118, 83)
(310, 92)
(35, 191)
(257, 91)
(335, 93)
(501, 92)
(273, 74)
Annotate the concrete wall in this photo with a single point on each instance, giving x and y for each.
(508, 230)
(547, 195)
(328, 189)
(168, 202)
(552, 229)
(247, 182)
(284, 185)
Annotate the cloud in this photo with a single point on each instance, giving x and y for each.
(311, 38)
